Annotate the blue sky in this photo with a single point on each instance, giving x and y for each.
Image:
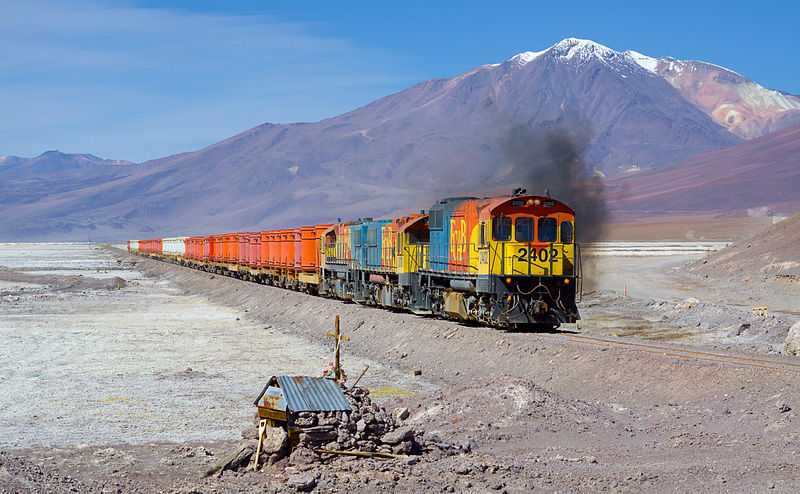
(137, 80)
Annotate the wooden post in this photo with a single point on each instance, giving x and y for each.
(262, 428)
(337, 372)
(359, 377)
(336, 338)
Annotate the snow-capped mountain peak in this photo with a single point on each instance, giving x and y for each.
(580, 48)
(647, 63)
(567, 49)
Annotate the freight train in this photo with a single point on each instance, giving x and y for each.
(510, 262)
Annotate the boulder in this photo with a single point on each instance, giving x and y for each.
(275, 441)
(398, 435)
(302, 481)
(792, 342)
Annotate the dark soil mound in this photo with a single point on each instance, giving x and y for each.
(504, 402)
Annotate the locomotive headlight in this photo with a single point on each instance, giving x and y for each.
(508, 280)
(531, 202)
(566, 281)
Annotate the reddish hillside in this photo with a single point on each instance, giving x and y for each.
(747, 179)
(739, 104)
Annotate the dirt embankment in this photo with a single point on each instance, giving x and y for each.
(773, 254)
(760, 271)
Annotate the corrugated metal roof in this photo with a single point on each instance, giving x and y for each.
(312, 394)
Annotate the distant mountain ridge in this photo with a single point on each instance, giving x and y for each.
(440, 137)
(52, 162)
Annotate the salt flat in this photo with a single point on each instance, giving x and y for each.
(142, 363)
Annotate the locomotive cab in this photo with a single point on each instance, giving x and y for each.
(527, 257)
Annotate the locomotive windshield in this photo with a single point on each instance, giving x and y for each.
(523, 229)
(528, 229)
(547, 229)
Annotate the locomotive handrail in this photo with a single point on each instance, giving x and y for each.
(443, 257)
(447, 258)
(364, 257)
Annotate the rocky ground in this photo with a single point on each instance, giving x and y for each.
(511, 412)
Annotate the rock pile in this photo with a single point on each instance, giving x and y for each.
(367, 428)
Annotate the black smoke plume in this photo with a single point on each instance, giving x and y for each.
(553, 159)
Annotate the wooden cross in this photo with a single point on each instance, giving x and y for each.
(337, 337)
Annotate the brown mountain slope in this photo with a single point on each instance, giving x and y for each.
(746, 179)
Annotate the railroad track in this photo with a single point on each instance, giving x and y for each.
(676, 352)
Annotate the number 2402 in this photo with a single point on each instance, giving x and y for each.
(543, 255)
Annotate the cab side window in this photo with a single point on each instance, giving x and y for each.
(547, 229)
(523, 229)
(419, 236)
(566, 232)
(501, 228)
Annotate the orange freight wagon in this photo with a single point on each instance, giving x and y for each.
(254, 250)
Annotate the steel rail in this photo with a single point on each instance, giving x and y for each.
(687, 354)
